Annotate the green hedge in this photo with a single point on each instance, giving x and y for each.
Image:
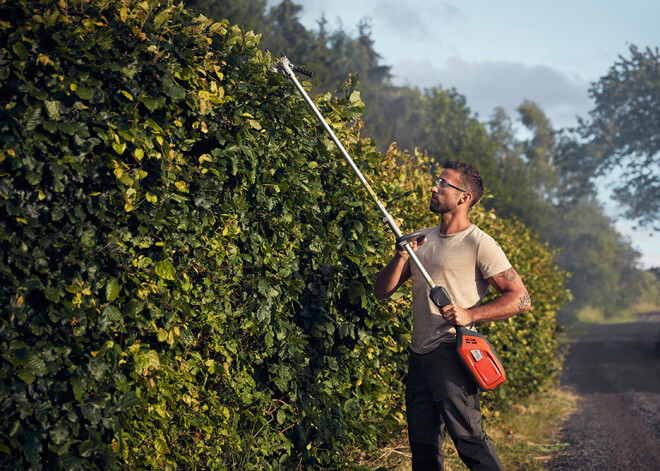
(186, 262)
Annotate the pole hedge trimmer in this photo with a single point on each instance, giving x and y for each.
(474, 350)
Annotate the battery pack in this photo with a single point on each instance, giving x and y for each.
(479, 359)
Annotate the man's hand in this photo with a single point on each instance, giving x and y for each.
(456, 315)
(414, 245)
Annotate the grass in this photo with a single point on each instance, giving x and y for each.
(587, 317)
(524, 435)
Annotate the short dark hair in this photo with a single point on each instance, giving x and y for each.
(470, 178)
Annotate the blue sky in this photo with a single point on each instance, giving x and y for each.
(499, 53)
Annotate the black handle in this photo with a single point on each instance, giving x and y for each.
(439, 296)
(302, 71)
(403, 240)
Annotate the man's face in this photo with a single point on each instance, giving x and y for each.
(445, 192)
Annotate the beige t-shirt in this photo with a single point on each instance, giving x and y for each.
(460, 262)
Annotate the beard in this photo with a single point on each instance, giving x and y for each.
(438, 207)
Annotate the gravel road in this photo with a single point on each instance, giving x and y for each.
(615, 372)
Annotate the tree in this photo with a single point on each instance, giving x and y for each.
(524, 179)
(624, 133)
(602, 263)
(537, 181)
(540, 150)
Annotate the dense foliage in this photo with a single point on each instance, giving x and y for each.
(186, 264)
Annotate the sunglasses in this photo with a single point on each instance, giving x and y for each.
(442, 183)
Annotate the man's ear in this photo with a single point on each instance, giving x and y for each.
(466, 198)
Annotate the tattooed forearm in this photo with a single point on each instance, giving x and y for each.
(525, 303)
(509, 275)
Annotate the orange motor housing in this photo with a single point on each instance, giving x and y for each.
(479, 358)
(474, 350)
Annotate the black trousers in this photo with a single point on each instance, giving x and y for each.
(441, 395)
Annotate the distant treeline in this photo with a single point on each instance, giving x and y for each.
(544, 181)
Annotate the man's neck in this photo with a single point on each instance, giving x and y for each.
(452, 223)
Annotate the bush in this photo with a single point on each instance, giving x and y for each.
(186, 262)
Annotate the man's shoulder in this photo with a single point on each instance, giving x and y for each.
(476, 232)
(479, 236)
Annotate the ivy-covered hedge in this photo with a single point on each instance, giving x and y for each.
(186, 263)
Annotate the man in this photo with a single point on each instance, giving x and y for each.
(466, 261)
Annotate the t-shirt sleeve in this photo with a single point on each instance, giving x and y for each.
(491, 259)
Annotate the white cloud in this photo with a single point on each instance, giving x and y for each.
(488, 85)
(413, 22)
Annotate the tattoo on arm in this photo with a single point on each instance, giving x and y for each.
(525, 301)
(509, 275)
